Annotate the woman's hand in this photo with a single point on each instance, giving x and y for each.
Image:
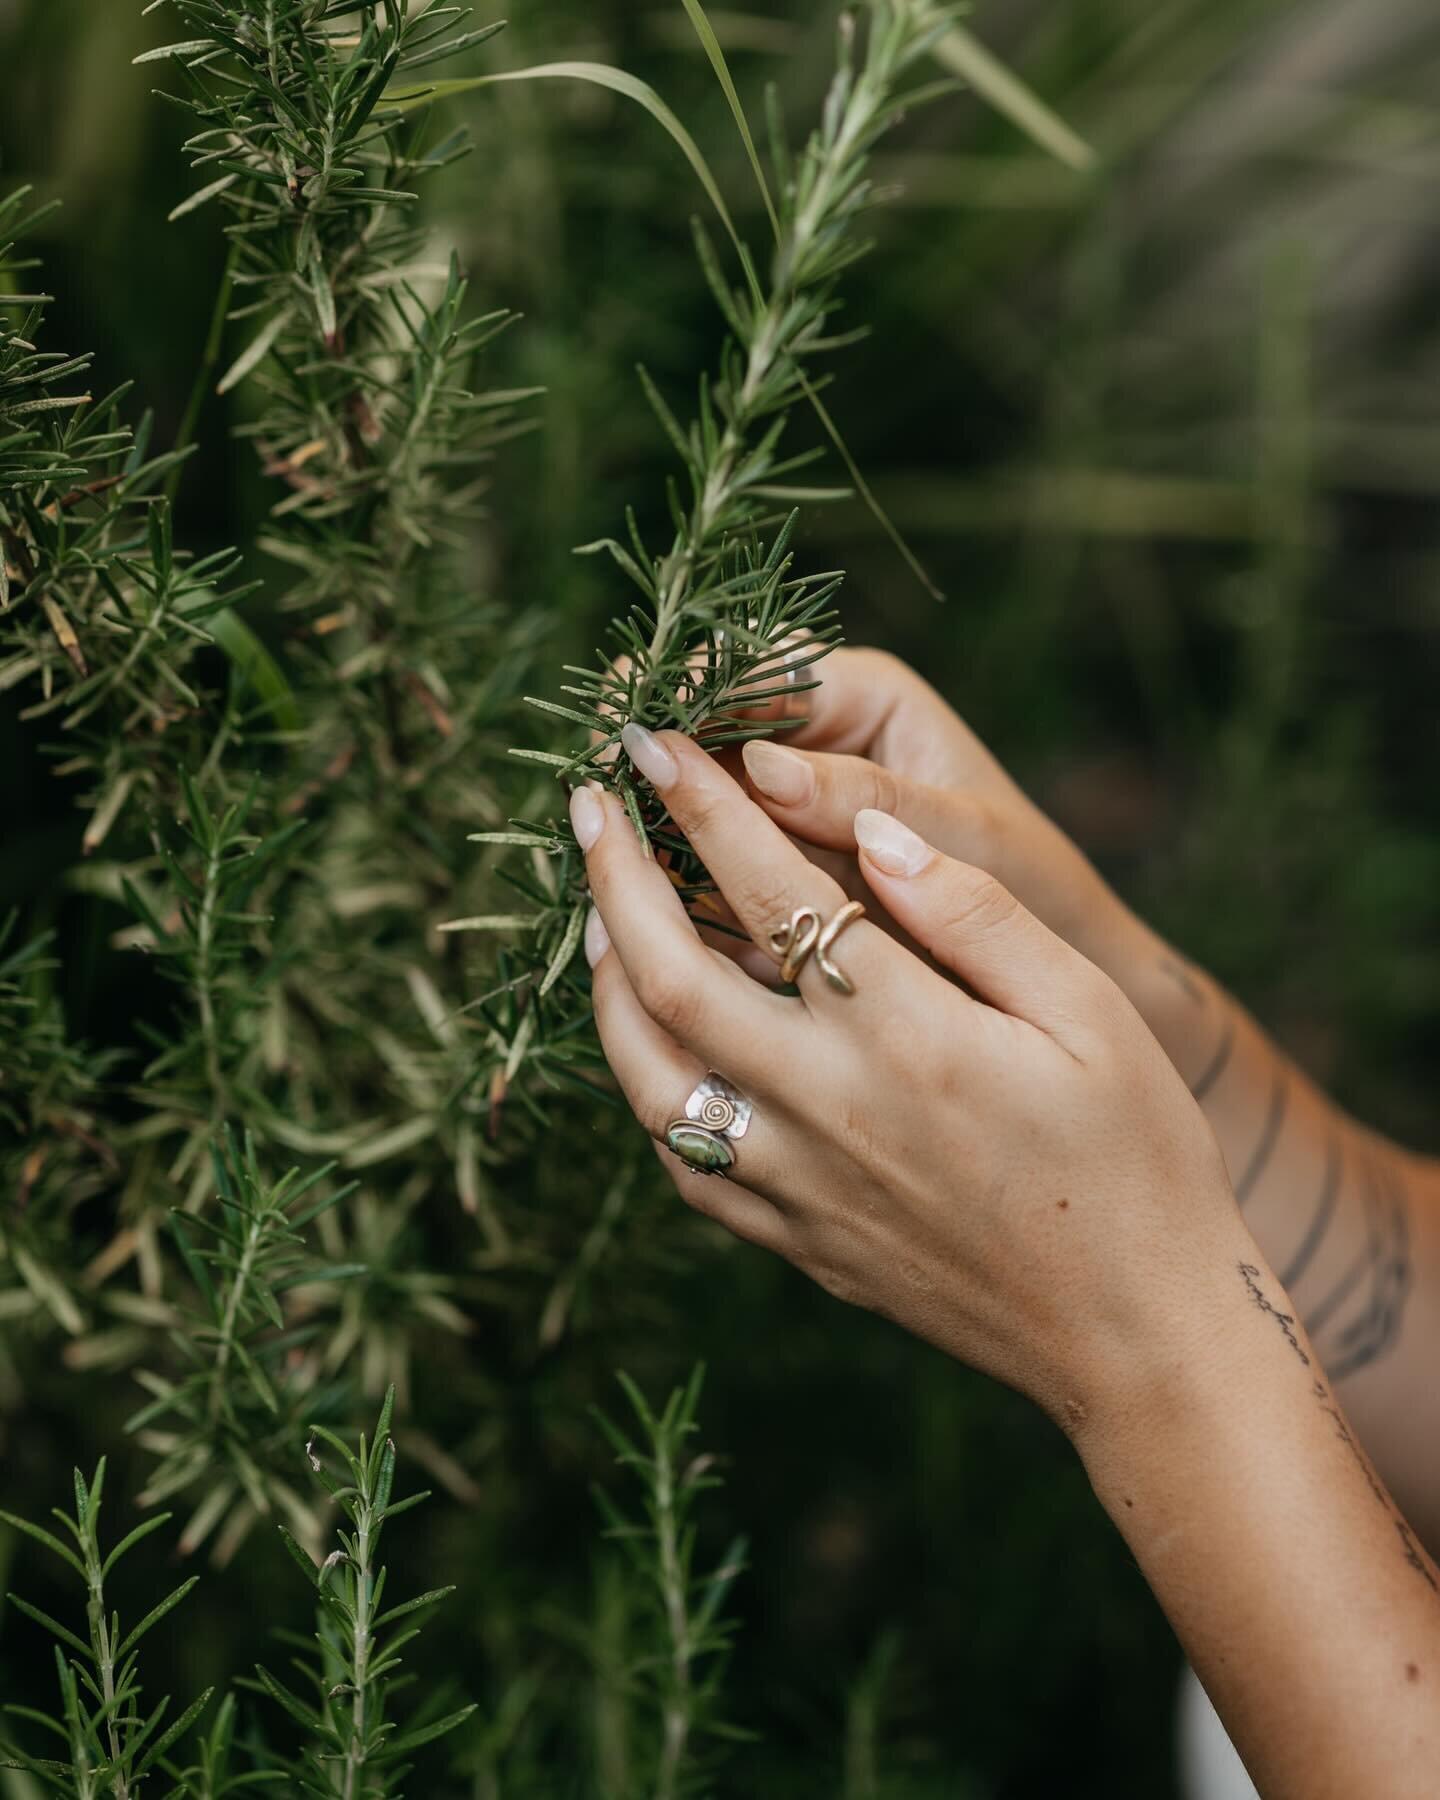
(875, 735)
(1004, 1162)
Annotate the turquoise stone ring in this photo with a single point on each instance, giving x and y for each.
(703, 1150)
(715, 1115)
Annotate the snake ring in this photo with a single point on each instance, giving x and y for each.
(804, 935)
(716, 1114)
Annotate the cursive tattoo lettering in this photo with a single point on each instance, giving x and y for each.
(1250, 1275)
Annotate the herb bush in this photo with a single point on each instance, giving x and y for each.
(1133, 565)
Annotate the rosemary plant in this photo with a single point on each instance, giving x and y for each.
(101, 620)
(685, 1633)
(51, 1158)
(98, 610)
(237, 1409)
(359, 363)
(724, 621)
(353, 1750)
(110, 1743)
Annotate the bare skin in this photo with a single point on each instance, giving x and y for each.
(985, 1143)
(1350, 1221)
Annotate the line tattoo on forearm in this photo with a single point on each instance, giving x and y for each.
(1269, 1136)
(1195, 991)
(1250, 1275)
(1215, 1068)
(1381, 1273)
(1184, 978)
(1320, 1218)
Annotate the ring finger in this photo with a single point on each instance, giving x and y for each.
(656, 1075)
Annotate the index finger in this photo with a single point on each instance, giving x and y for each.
(767, 881)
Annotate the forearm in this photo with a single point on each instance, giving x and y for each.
(1299, 1592)
(1349, 1222)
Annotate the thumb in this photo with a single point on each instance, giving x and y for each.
(973, 926)
(815, 796)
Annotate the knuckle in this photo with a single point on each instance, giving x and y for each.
(976, 904)
(672, 1001)
(650, 1109)
(1103, 1001)
(880, 666)
(881, 788)
(761, 898)
(696, 806)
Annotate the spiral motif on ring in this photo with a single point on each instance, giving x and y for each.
(717, 1112)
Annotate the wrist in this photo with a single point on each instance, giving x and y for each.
(1181, 1357)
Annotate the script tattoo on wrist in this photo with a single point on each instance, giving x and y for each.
(1410, 1549)
(1250, 1275)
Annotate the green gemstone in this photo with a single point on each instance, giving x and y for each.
(703, 1150)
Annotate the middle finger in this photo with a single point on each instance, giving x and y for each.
(765, 878)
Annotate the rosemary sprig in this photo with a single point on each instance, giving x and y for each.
(724, 621)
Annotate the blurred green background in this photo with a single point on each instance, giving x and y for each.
(1168, 436)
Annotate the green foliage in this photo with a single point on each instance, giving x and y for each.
(352, 1748)
(723, 622)
(1165, 494)
(110, 1743)
(97, 609)
(682, 1632)
(229, 1418)
(48, 1086)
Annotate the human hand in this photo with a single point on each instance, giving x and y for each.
(1009, 1168)
(876, 735)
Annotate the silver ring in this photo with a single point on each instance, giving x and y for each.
(716, 1116)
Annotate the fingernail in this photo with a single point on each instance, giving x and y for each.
(779, 774)
(587, 815)
(649, 756)
(891, 846)
(597, 938)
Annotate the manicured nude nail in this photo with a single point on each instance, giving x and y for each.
(597, 938)
(587, 815)
(649, 756)
(891, 846)
(779, 774)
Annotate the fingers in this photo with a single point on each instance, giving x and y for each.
(696, 998)
(869, 703)
(815, 796)
(975, 927)
(656, 1075)
(761, 874)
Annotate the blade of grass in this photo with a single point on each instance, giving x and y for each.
(253, 664)
(967, 57)
(711, 46)
(867, 494)
(617, 82)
